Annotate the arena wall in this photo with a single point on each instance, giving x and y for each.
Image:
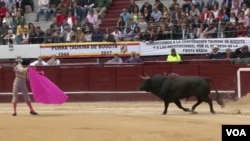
(95, 82)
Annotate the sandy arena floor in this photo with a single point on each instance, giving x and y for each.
(119, 121)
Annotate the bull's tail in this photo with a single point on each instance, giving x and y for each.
(218, 97)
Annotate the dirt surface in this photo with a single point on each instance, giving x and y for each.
(119, 121)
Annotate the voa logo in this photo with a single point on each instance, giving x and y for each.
(236, 132)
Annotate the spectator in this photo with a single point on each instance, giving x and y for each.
(230, 30)
(153, 34)
(31, 26)
(136, 33)
(241, 31)
(115, 60)
(156, 14)
(184, 31)
(108, 36)
(54, 24)
(196, 21)
(146, 14)
(244, 52)
(64, 25)
(86, 5)
(38, 36)
(130, 24)
(117, 34)
(221, 30)
(62, 8)
(128, 35)
(125, 15)
(146, 5)
(228, 3)
(191, 32)
(135, 15)
(194, 11)
(92, 17)
(163, 34)
(236, 7)
(144, 36)
(8, 19)
(48, 36)
(121, 24)
(43, 9)
(132, 6)
(76, 24)
(70, 19)
(14, 10)
(97, 35)
(101, 7)
(76, 11)
(215, 54)
(211, 3)
(245, 9)
(87, 24)
(9, 4)
(176, 14)
(224, 13)
(243, 19)
(134, 58)
(3, 11)
(10, 38)
(215, 11)
(232, 18)
(3, 32)
(68, 35)
(88, 34)
(53, 61)
(53, 5)
(22, 3)
(186, 5)
(39, 62)
(211, 31)
(173, 6)
(142, 24)
(205, 14)
(19, 31)
(229, 54)
(19, 19)
(59, 18)
(165, 12)
(79, 35)
(159, 5)
(57, 36)
(173, 56)
(24, 37)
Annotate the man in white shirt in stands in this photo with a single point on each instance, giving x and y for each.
(39, 62)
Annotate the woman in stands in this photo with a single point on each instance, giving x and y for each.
(121, 23)
(135, 15)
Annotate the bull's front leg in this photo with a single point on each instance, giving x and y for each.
(166, 107)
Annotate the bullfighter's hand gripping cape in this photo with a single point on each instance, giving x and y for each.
(44, 90)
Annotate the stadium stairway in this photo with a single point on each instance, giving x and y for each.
(113, 13)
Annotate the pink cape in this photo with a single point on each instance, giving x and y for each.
(45, 91)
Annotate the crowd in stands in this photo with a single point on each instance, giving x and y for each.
(77, 21)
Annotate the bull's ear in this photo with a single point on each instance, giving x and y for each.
(144, 77)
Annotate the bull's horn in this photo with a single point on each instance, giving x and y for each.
(144, 77)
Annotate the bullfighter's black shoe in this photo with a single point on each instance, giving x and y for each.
(33, 113)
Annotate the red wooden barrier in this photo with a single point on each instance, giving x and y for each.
(111, 82)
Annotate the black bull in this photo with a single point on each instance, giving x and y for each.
(173, 88)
